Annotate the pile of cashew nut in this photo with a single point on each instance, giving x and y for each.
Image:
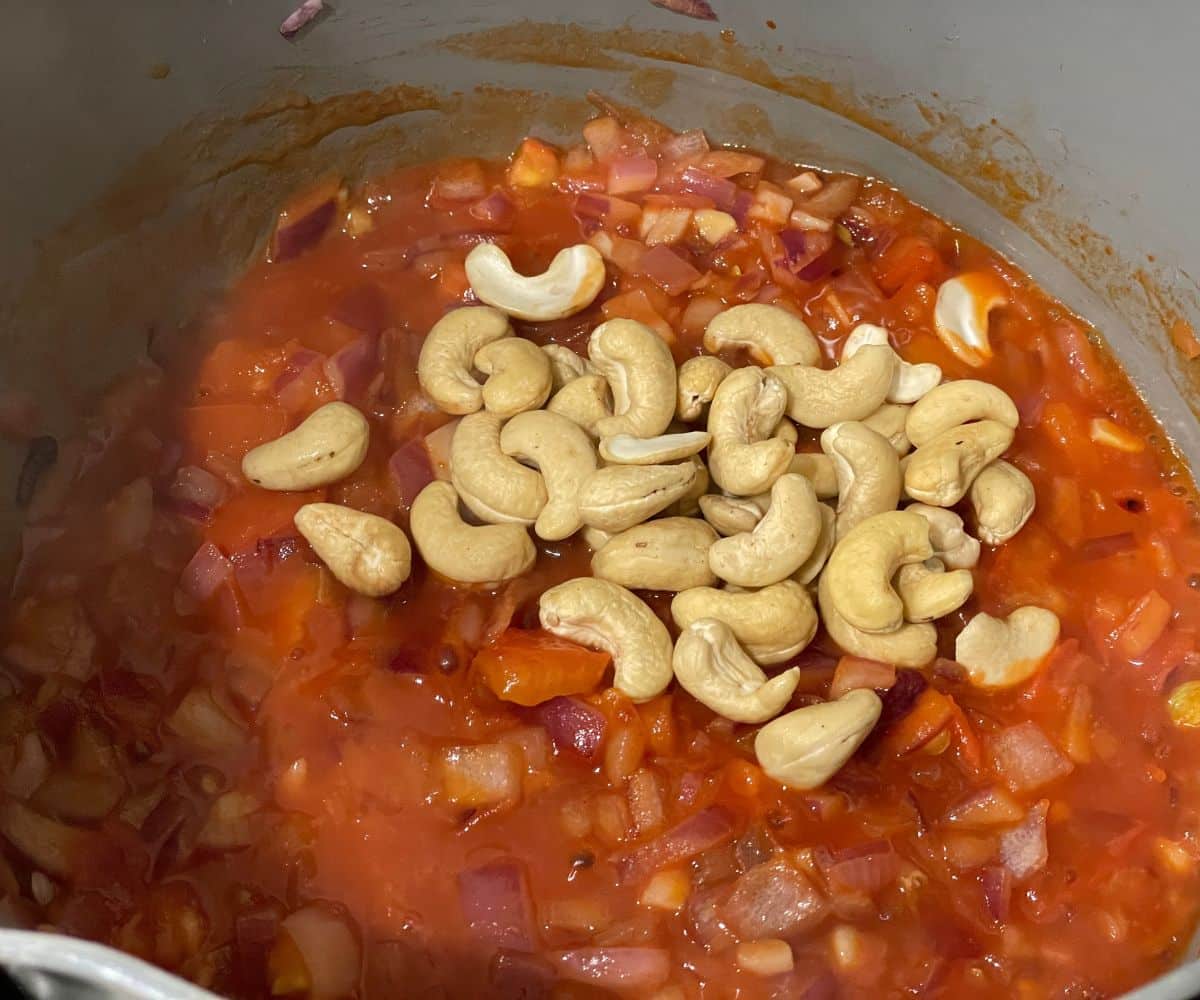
(687, 480)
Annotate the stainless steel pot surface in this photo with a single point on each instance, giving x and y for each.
(147, 144)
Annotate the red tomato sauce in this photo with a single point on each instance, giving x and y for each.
(218, 758)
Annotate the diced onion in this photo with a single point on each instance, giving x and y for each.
(695, 834)
(1025, 757)
(330, 949)
(205, 573)
(573, 725)
(765, 957)
(301, 16)
(630, 175)
(497, 905)
(1023, 849)
(627, 969)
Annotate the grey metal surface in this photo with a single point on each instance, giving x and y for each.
(1093, 118)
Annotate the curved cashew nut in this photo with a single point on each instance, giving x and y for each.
(565, 365)
(820, 554)
(623, 449)
(941, 470)
(819, 470)
(583, 401)
(859, 573)
(929, 592)
(856, 388)
(697, 384)
(465, 552)
(619, 496)
(960, 314)
(889, 420)
(772, 624)
(868, 473)
(518, 374)
(955, 403)
(909, 646)
(1003, 499)
(570, 284)
(369, 554)
(448, 354)
(950, 541)
(910, 382)
(595, 539)
(779, 543)
(772, 335)
(328, 445)
(711, 667)
(999, 654)
(564, 455)
(733, 515)
(494, 487)
(640, 370)
(605, 616)
(786, 431)
(668, 554)
(809, 745)
(743, 456)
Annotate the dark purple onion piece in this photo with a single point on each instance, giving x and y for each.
(699, 9)
(296, 237)
(573, 725)
(899, 699)
(364, 308)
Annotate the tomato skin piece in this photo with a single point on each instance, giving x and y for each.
(528, 667)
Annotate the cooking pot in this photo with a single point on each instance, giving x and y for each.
(148, 144)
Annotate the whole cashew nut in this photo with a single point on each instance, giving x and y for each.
(328, 445)
(743, 456)
(854, 389)
(688, 505)
(605, 616)
(820, 554)
(772, 335)
(809, 745)
(565, 365)
(950, 541)
(868, 473)
(467, 553)
(623, 449)
(999, 654)
(595, 539)
(564, 455)
(448, 355)
(858, 576)
(518, 374)
(619, 496)
(772, 624)
(569, 285)
(955, 403)
(668, 554)
(584, 401)
(929, 592)
(733, 515)
(494, 487)
(819, 470)
(941, 470)
(909, 646)
(910, 382)
(640, 371)
(889, 420)
(711, 667)
(779, 543)
(1003, 499)
(368, 554)
(697, 384)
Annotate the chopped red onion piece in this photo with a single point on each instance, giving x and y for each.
(668, 270)
(410, 471)
(697, 833)
(691, 143)
(496, 209)
(817, 268)
(899, 699)
(991, 806)
(330, 949)
(294, 238)
(1108, 545)
(402, 257)
(775, 899)
(519, 974)
(573, 725)
(198, 486)
(1024, 757)
(496, 904)
(301, 16)
(701, 10)
(856, 672)
(997, 891)
(351, 368)
(632, 174)
(723, 192)
(1023, 849)
(863, 868)
(203, 576)
(632, 969)
(743, 201)
(794, 242)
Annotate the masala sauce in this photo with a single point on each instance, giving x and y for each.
(218, 758)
